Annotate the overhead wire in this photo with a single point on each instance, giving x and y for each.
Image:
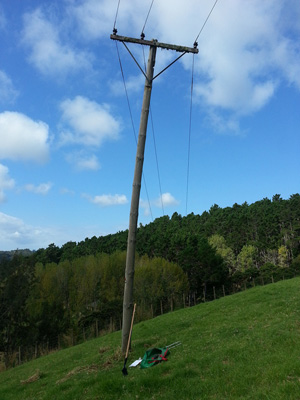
(157, 166)
(191, 108)
(132, 123)
(142, 34)
(206, 21)
(189, 140)
(114, 28)
(126, 92)
(155, 148)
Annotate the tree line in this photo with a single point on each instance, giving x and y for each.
(61, 290)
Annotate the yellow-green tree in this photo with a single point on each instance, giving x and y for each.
(283, 257)
(247, 258)
(219, 244)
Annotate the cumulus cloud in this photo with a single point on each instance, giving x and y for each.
(23, 138)
(87, 122)
(167, 200)
(48, 52)
(95, 17)
(14, 233)
(146, 207)
(6, 182)
(83, 161)
(236, 66)
(106, 200)
(246, 49)
(163, 201)
(88, 163)
(133, 84)
(42, 188)
(8, 93)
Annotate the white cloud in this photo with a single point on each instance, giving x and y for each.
(84, 162)
(167, 200)
(14, 233)
(146, 207)
(43, 188)
(17, 234)
(48, 53)
(246, 50)
(163, 201)
(91, 123)
(105, 200)
(95, 18)
(90, 163)
(8, 93)
(6, 182)
(23, 138)
(240, 67)
(133, 84)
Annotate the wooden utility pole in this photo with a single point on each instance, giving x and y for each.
(136, 187)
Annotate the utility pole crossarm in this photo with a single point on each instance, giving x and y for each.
(155, 43)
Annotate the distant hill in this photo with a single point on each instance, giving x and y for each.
(266, 224)
(8, 255)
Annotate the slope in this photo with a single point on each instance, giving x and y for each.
(245, 346)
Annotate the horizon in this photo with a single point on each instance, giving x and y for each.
(124, 230)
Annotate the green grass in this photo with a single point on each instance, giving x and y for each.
(245, 346)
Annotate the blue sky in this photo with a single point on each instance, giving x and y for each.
(68, 149)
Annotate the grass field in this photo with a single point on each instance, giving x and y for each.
(244, 346)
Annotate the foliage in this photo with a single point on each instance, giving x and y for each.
(61, 290)
(39, 303)
(157, 281)
(14, 292)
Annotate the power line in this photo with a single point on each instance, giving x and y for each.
(114, 29)
(126, 92)
(155, 149)
(191, 108)
(206, 20)
(189, 141)
(132, 123)
(157, 167)
(142, 34)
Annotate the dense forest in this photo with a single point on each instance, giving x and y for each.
(59, 291)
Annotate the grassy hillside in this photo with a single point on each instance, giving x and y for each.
(245, 346)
